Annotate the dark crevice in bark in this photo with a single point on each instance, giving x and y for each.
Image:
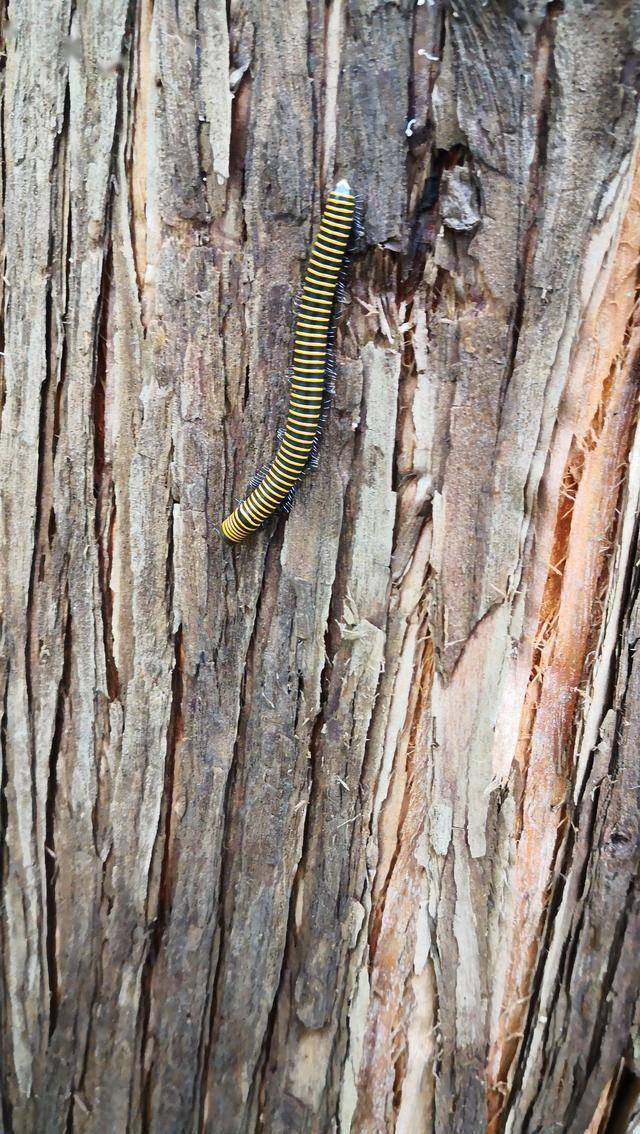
(133, 99)
(5, 1105)
(315, 105)
(66, 239)
(50, 862)
(408, 373)
(57, 401)
(240, 116)
(170, 572)
(535, 189)
(617, 841)
(533, 1007)
(5, 777)
(7, 1115)
(624, 1103)
(105, 905)
(165, 887)
(424, 223)
(598, 1045)
(421, 132)
(570, 854)
(567, 955)
(104, 489)
(411, 82)
(163, 842)
(6, 1108)
(205, 156)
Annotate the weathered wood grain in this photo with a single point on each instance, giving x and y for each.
(337, 829)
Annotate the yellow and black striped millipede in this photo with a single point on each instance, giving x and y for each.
(272, 489)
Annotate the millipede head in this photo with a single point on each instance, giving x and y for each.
(357, 230)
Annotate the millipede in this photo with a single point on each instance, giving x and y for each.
(313, 371)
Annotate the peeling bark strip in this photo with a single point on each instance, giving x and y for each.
(339, 830)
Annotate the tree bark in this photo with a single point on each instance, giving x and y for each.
(338, 829)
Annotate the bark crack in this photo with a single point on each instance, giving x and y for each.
(51, 867)
(543, 82)
(165, 885)
(104, 489)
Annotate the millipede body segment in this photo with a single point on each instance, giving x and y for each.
(272, 489)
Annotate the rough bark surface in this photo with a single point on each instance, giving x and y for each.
(338, 829)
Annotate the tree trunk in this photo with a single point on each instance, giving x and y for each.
(337, 829)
